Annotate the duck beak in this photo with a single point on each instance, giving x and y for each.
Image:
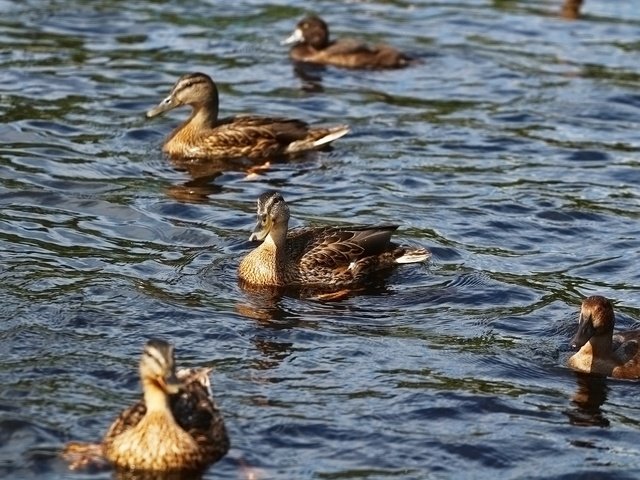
(295, 37)
(585, 332)
(261, 231)
(168, 103)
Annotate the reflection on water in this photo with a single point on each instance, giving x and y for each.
(263, 305)
(511, 151)
(590, 395)
(310, 76)
(204, 175)
(129, 475)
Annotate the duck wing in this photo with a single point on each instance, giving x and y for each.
(197, 413)
(625, 345)
(355, 54)
(194, 410)
(247, 129)
(626, 351)
(348, 46)
(335, 247)
(128, 418)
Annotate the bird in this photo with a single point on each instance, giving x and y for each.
(600, 351)
(571, 9)
(205, 136)
(311, 44)
(330, 256)
(176, 426)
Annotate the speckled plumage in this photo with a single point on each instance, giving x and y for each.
(176, 426)
(601, 352)
(321, 256)
(312, 45)
(204, 136)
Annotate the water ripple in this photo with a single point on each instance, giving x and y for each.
(509, 151)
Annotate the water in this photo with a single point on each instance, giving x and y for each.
(511, 152)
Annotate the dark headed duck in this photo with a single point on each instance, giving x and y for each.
(311, 44)
(601, 352)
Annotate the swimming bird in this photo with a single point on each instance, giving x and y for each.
(311, 44)
(600, 351)
(571, 9)
(176, 426)
(205, 136)
(318, 256)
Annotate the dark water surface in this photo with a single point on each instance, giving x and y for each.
(512, 151)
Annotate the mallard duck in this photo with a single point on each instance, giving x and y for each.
(321, 256)
(175, 427)
(601, 352)
(204, 136)
(312, 45)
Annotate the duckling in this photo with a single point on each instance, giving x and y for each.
(318, 257)
(601, 352)
(205, 136)
(175, 427)
(312, 45)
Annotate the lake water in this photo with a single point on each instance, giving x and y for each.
(511, 151)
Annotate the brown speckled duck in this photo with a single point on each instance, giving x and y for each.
(204, 136)
(312, 45)
(318, 257)
(175, 427)
(601, 352)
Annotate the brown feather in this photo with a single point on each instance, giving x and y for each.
(182, 431)
(315, 47)
(204, 136)
(600, 351)
(321, 256)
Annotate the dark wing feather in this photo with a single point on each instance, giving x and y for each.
(247, 129)
(334, 247)
(197, 414)
(625, 351)
(355, 54)
(348, 46)
(193, 409)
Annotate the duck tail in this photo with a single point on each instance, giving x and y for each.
(318, 138)
(413, 255)
(330, 134)
(199, 375)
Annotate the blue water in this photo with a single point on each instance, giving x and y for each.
(511, 151)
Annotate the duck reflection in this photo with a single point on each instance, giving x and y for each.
(378, 285)
(133, 475)
(589, 397)
(264, 306)
(310, 76)
(204, 173)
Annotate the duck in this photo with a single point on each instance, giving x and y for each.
(175, 427)
(571, 9)
(205, 136)
(600, 351)
(311, 44)
(323, 257)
